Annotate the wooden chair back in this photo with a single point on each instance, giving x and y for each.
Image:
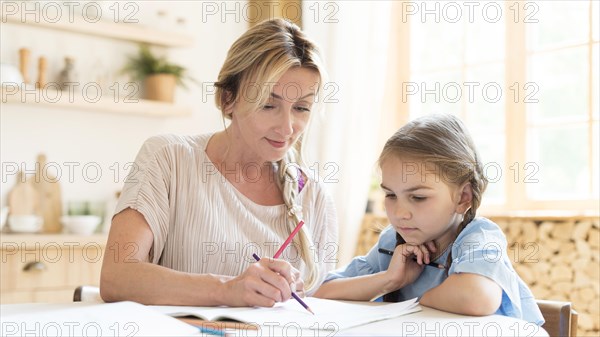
(87, 294)
(561, 319)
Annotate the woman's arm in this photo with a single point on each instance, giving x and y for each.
(466, 294)
(127, 274)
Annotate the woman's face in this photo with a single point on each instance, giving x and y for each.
(268, 133)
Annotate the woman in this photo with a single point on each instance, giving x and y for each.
(195, 209)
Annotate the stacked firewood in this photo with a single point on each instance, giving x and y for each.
(559, 260)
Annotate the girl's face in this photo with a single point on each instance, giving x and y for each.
(268, 133)
(419, 204)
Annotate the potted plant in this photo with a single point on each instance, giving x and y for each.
(158, 75)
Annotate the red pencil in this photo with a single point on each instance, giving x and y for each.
(289, 239)
(280, 251)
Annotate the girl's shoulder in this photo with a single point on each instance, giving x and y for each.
(387, 238)
(482, 230)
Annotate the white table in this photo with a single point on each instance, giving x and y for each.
(432, 322)
(428, 322)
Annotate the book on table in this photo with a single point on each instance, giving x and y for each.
(329, 314)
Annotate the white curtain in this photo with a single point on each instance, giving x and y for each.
(354, 38)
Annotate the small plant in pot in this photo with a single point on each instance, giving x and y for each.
(158, 75)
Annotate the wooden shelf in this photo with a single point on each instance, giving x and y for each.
(49, 98)
(123, 31)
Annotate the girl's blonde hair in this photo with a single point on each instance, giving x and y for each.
(254, 63)
(442, 140)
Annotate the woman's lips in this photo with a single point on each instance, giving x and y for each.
(275, 143)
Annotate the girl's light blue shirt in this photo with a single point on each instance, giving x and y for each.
(479, 249)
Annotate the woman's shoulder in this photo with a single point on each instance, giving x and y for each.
(169, 142)
(310, 179)
(315, 188)
(320, 182)
(164, 140)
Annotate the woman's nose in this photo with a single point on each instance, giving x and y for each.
(285, 123)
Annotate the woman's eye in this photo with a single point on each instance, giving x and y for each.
(418, 198)
(303, 109)
(268, 107)
(390, 195)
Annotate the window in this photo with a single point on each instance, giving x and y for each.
(523, 75)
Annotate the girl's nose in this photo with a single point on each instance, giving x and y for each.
(402, 212)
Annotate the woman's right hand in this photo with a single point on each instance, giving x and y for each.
(263, 284)
(407, 264)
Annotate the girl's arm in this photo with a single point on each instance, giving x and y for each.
(465, 294)
(402, 271)
(359, 288)
(127, 274)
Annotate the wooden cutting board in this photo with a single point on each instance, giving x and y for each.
(23, 199)
(49, 196)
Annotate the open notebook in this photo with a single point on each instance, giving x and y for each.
(89, 319)
(329, 314)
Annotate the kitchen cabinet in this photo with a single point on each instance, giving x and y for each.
(48, 267)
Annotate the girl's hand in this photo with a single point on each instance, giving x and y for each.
(407, 264)
(262, 284)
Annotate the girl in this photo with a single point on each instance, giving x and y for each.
(433, 180)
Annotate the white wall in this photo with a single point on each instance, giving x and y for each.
(87, 137)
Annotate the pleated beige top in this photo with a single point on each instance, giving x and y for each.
(202, 224)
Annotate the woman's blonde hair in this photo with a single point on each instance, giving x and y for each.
(442, 140)
(254, 62)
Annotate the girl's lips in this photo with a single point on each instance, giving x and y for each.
(407, 229)
(275, 143)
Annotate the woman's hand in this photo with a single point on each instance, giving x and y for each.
(298, 286)
(407, 264)
(263, 284)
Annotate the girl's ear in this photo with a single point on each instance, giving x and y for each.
(465, 198)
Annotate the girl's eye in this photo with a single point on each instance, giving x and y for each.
(418, 198)
(390, 195)
(268, 107)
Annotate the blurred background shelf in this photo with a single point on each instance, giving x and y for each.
(77, 24)
(55, 99)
